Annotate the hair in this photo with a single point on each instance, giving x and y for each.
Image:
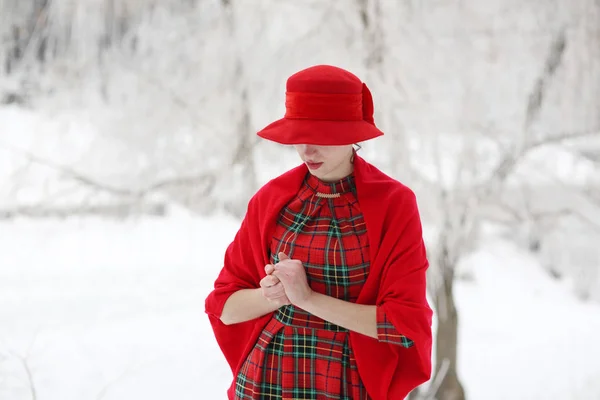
(355, 148)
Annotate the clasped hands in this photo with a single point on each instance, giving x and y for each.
(285, 282)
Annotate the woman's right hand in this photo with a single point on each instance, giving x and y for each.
(272, 288)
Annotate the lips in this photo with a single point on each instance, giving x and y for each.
(313, 165)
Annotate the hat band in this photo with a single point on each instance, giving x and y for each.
(324, 106)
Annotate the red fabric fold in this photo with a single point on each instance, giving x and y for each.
(367, 105)
(323, 106)
(396, 280)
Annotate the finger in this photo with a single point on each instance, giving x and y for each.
(266, 282)
(269, 268)
(283, 256)
(274, 291)
(278, 274)
(269, 281)
(276, 288)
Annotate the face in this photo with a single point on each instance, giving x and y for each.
(328, 163)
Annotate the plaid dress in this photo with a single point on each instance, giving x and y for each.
(298, 355)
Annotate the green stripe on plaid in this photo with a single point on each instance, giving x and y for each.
(291, 315)
(298, 355)
(388, 333)
(294, 365)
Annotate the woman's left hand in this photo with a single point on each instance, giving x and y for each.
(292, 275)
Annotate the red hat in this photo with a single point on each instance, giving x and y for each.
(324, 105)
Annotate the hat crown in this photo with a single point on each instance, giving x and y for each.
(325, 105)
(324, 79)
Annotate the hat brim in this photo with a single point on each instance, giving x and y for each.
(319, 132)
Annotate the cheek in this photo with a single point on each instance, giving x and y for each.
(340, 156)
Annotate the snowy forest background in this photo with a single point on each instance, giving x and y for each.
(128, 153)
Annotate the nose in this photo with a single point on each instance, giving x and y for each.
(308, 149)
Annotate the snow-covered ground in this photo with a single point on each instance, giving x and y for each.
(114, 310)
(96, 309)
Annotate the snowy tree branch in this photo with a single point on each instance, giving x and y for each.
(205, 178)
(511, 159)
(536, 98)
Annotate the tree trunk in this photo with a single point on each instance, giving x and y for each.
(243, 164)
(381, 80)
(446, 340)
(243, 160)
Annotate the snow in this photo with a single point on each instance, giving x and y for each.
(65, 140)
(524, 335)
(100, 309)
(114, 310)
(95, 302)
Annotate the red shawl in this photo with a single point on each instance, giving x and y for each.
(396, 280)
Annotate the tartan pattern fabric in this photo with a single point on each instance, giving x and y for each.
(300, 363)
(298, 355)
(386, 332)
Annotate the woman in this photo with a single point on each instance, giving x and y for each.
(323, 292)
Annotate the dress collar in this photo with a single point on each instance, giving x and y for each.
(331, 189)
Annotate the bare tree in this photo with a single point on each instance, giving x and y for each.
(25, 361)
(243, 167)
(463, 209)
(384, 81)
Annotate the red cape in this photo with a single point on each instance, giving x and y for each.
(396, 279)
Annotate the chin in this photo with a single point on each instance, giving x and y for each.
(323, 177)
(319, 174)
